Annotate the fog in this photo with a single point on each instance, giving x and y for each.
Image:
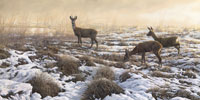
(117, 12)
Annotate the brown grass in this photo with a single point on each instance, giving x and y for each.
(87, 60)
(100, 88)
(4, 65)
(77, 77)
(118, 65)
(124, 76)
(67, 65)
(163, 93)
(105, 72)
(44, 85)
(111, 57)
(4, 54)
(161, 74)
(166, 69)
(189, 74)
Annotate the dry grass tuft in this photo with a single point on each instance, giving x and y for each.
(105, 72)
(45, 85)
(4, 54)
(77, 77)
(100, 88)
(87, 60)
(161, 74)
(112, 57)
(166, 69)
(4, 65)
(189, 74)
(118, 65)
(163, 93)
(124, 76)
(67, 65)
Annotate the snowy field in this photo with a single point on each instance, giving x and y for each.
(177, 79)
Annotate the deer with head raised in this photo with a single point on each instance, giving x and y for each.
(166, 42)
(84, 33)
(142, 48)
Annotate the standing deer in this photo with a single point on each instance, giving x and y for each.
(142, 48)
(84, 33)
(166, 42)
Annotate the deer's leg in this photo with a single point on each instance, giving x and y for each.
(143, 58)
(178, 48)
(96, 43)
(91, 42)
(159, 58)
(80, 41)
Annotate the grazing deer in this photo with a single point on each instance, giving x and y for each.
(142, 48)
(166, 42)
(84, 33)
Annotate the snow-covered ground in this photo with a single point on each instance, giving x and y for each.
(13, 78)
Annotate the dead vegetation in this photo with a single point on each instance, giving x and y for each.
(45, 85)
(124, 76)
(4, 54)
(189, 74)
(166, 69)
(4, 65)
(67, 65)
(87, 60)
(105, 72)
(162, 74)
(100, 88)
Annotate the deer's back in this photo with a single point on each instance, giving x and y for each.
(149, 46)
(86, 32)
(169, 41)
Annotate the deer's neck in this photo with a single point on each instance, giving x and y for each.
(154, 36)
(73, 26)
(134, 51)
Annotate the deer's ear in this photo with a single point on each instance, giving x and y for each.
(70, 17)
(75, 17)
(151, 28)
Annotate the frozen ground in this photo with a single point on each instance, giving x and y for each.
(21, 68)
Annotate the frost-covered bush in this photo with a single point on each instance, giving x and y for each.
(100, 88)
(45, 85)
(67, 65)
(105, 72)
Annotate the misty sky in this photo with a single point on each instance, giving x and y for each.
(129, 12)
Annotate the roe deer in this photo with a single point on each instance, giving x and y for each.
(84, 33)
(166, 42)
(142, 48)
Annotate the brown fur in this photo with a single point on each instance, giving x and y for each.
(142, 48)
(84, 33)
(166, 42)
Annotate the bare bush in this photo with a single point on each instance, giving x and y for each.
(100, 88)
(67, 65)
(105, 72)
(45, 85)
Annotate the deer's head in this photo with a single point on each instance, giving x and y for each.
(126, 56)
(73, 19)
(151, 32)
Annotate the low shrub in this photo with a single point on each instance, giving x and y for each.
(100, 88)
(105, 72)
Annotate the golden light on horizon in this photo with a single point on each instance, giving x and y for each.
(121, 12)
